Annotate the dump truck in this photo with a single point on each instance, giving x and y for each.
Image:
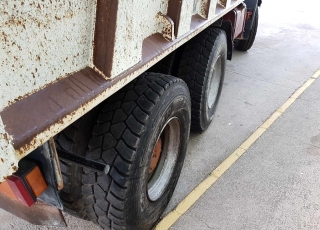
(98, 98)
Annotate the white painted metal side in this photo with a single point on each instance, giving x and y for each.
(42, 41)
(8, 158)
(135, 21)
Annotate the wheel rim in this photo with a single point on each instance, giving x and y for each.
(215, 73)
(155, 156)
(161, 169)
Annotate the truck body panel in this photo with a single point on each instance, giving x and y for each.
(61, 60)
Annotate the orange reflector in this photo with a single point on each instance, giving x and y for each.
(26, 184)
(36, 181)
(7, 191)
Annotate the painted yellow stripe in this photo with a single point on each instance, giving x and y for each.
(316, 75)
(255, 136)
(195, 194)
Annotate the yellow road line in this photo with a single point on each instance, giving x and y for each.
(196, 193)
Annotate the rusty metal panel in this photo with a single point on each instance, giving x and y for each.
(201, 7)
(50, 52)
(224, 3)
(206, 8)
(185, 17)
(167, 23)
(40, 42)
(133, 23)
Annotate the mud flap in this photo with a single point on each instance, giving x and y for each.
(39, 214)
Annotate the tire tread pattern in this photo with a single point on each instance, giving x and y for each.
(106, 206)
(66, 140)
(192, 70)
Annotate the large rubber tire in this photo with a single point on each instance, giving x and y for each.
(124, 137)
(168, 65)
(244, 45)
(199, 69)
(75, 139)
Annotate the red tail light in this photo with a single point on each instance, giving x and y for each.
(26, 184)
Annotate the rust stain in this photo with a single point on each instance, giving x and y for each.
(223, 3)
(68, 12)
(56, 164)
(37, 90)
(204, 8)
(168, 26)
(174, 12)
(48, 119)
(24, 21)
(5, 136)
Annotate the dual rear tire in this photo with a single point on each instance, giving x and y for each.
(142, 132)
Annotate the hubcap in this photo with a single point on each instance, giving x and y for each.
(164, 159)
(214, 83)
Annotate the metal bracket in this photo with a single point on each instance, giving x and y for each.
(168, 26)
(44, 156)
(224, 3)
(83, 162)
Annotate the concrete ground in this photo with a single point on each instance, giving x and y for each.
(276, 183)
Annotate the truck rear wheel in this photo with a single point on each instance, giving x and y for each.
(244, 45)
(142, 133)
(202, 67)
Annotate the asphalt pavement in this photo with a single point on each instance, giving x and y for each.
(276, 183)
